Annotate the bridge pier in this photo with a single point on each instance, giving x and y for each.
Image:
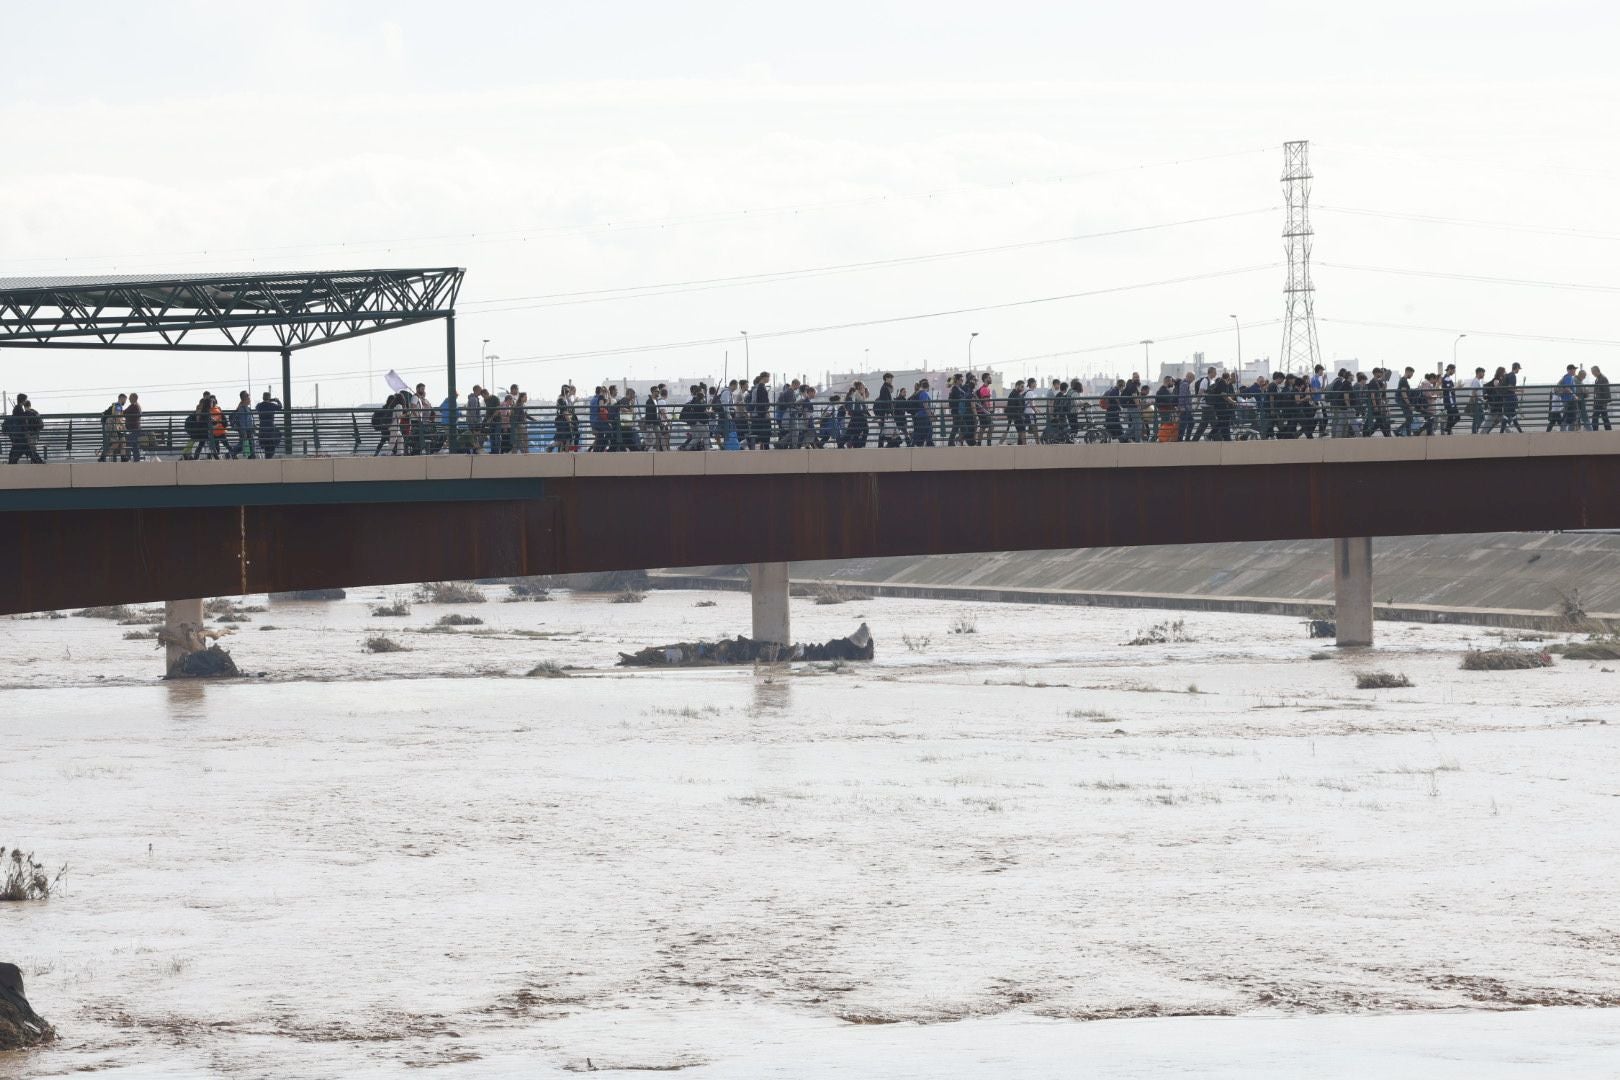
(1352, 590)
(181, 618)
(768, 585)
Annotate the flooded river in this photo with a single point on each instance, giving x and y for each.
(947, 860)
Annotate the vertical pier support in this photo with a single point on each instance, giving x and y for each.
(286, 406)
(181, 618)
(768, 582)
(1352, 590)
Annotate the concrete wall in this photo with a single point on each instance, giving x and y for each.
(1450, 576)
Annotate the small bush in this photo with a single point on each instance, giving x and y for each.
(395, 609)
(25, 877)
(221, 605)
(1505, 660)
(232, 617)
(548, 669)
(826, 594)
(449, 592)
(457, 619)
(380, 644)
(629, 596)
(1165, 633)
(532, 589)
(707, 603)
(1381, 680)
(267, 626)
(148, 634)
(138, 619)
(964, 624)
(916, 644)
(116, 612)
(1321, 656)
(1588, 650)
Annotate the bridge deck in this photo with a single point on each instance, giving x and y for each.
(107, 533)
(441, 467)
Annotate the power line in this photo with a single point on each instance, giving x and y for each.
(768, 334)
(526, 232)
(1472, 332)
(1507, 226)
(1580, 286)
(1135, 344)
(628, 292)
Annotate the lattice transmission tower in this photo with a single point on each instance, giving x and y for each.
(1300, 351)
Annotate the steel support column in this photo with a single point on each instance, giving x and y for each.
(450, 374)
(1352, 590)
(768, 583)
(286, 401)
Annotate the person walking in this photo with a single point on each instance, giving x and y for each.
(132, 427)
(242, 419)
(23, 428)
(1476, 400)
(922, 420)
(269, 426)
(1600, 399)
(112, 430)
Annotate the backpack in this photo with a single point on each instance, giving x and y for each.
(380, 420)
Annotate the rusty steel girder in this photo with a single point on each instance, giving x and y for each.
(75, 557)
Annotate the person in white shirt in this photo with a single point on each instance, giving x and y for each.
(1476, 400)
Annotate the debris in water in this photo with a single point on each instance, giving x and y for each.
(742, 650)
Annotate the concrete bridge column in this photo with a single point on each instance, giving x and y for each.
(181, 618)
(1352, 590)
(768, 582)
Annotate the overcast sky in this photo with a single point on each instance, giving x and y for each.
(564, 149)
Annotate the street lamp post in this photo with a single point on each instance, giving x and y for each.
(1238, 326)
(1147, 357)
(748, 358)
(971, 336)
(482, 350)
(1454, 349)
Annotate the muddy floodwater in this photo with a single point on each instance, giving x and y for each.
(1011, 844)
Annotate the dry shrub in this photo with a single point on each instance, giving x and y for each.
(449, 592)
(457, 619)
(395, 609)
(916, 644)
(964, 624)
(548, 669)
(1381, 680)
(147, 634)
(1165, 633)
(836, 594)
(380, 644)
(707, 603)
(25, 877)
(220, 605)
(1588, 650)
(1505, 660)
(629, 596)
(116, 612)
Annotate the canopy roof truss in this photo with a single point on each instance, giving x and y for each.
(261, 312)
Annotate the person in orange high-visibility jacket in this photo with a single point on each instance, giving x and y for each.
(216, 429)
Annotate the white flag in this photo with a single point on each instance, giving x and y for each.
(395, 382)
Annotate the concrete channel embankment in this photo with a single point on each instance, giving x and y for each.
(1527, 580)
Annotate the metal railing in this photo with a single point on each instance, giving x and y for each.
(815, 423)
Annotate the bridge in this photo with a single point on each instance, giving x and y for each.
(89, 533)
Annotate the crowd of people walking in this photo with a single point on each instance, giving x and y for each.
(966, 410)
